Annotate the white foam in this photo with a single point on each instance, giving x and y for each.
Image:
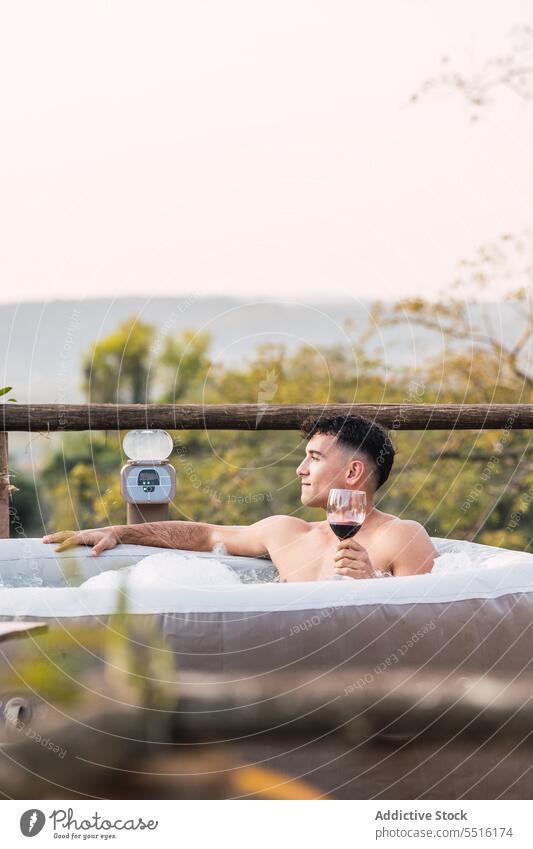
(166, 571)
(454, 562)
(464, 559)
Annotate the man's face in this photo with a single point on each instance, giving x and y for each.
(327, 466)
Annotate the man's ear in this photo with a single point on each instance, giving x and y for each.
(356, 471)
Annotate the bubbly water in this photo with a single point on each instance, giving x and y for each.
(454, 561)
(162, 570)
(172, 570)
(464, 560)
(167, 571)
(24, 578)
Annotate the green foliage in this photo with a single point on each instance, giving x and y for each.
(472, 484)
(126, 661)
(24, 506)
(82, 482)
(138, 664)
(4, 390)
(51, 664)
(465, 484)
(116, 369)
(182, 368)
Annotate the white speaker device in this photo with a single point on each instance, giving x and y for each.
(147, 481)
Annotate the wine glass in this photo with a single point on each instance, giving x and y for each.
(346, 511)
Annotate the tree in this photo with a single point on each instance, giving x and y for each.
(509, 71)
(475, 485)
(182, 367)
(81, 482)
(117, 368)
(487, 476)
(222, 476)
(481, 482)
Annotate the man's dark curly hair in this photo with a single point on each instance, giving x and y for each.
(357, 433)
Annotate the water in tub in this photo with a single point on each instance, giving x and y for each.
(172, 570)
(167, 571)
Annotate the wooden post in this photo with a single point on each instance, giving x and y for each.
(5, 487)
(139, 513)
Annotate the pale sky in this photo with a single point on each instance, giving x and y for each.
(247, 148)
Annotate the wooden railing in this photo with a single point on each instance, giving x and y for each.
(59, 417)
(45, 418)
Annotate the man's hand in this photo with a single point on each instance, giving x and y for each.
(352, 559)
(99, 539)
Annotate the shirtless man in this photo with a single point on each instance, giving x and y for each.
(341, 452)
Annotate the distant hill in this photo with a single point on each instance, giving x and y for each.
(41, 344)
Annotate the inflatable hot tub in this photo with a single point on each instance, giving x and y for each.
(478, 617)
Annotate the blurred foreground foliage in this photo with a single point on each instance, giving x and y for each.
(125, 661)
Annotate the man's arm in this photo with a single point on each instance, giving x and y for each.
(246, 540)
(414, 553)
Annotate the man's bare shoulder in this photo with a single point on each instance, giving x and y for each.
(394, 528)
(286, 527)
(408, 546)
(402, 525)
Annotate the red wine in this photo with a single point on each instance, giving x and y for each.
(345, 530)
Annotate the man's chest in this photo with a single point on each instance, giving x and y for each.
(312, 557)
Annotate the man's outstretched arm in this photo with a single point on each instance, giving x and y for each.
(246, 540)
